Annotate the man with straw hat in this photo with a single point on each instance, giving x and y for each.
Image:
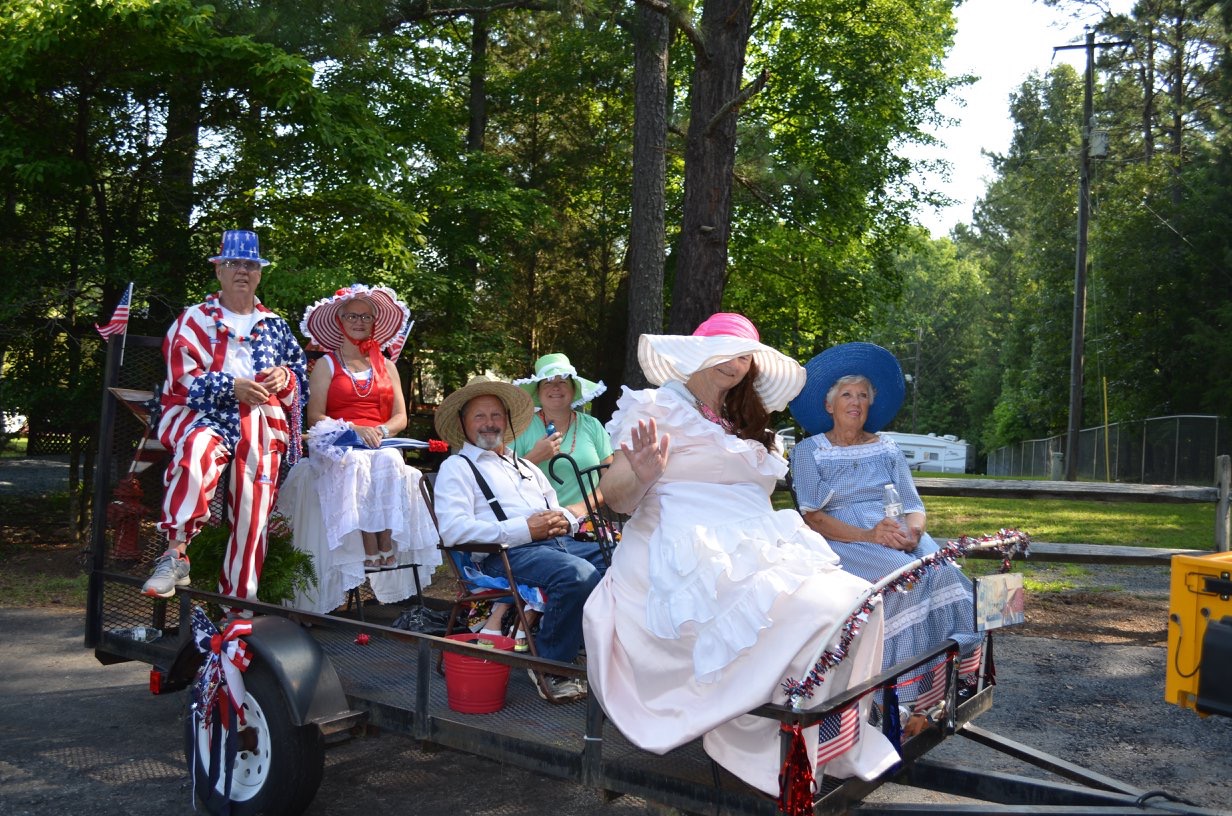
(235, 381)
(485, 493)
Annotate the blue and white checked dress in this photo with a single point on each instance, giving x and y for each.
(848, 483)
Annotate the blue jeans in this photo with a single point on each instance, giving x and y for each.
(566, 570)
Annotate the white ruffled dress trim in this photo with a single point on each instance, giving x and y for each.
(673, 407)
(718, 578)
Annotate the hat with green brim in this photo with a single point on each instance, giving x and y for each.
(557, 366)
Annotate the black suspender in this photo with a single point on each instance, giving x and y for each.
(486, 489)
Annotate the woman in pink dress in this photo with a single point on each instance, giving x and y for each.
(713, 597)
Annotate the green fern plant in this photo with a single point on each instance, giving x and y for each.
(286, 570)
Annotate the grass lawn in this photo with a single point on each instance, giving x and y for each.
(14, 448)
(1132, 524)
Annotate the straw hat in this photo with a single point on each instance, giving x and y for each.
(552, 366)
(865, 359)
(722, 337)
(239, 245)
(517, 404)
(322, 326)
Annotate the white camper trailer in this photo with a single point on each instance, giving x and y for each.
(929, 452)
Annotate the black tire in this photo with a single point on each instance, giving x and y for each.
(281, 776)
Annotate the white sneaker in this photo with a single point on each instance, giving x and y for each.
(170, 571)
(560, 689)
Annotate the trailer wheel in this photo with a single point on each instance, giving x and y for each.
(279, 765)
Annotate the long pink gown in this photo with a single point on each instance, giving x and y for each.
(713, 598)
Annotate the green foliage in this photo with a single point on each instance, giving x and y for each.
(1160, 216)
(285, 572)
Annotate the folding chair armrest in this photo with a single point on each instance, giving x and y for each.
(476, 547)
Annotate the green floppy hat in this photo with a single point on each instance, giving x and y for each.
(552, 366)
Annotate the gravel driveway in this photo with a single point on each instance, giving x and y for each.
(75, 732)
(72, 731)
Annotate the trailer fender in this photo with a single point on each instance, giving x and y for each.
(314, 692)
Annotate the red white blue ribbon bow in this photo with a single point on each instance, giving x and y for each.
(226, 659)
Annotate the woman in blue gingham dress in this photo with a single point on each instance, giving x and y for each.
(848, 484)
(839, 475)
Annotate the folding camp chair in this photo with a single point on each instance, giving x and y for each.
(458, 557)
(606, 524)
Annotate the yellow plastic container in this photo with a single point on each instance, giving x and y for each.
(1201, 594)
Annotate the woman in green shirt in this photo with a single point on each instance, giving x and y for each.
(559, 394)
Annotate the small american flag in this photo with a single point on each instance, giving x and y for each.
(971, 663)
(395, 348)
(932, 686)
(838, 732)
(119, 321)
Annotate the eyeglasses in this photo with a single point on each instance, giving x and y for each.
(232, 265)
(357, 318)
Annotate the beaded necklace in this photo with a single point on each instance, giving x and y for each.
(361, 390)
(214, 310)
(706, 411)
(573, 422)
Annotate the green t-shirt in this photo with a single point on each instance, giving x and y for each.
(586, 441)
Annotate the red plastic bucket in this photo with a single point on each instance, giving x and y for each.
(472, 685)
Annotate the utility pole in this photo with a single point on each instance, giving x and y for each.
(915, 379)
(1077, 353)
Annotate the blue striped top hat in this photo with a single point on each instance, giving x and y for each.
(866, 359)
(240, 245)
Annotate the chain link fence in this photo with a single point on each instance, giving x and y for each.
(1178, 449)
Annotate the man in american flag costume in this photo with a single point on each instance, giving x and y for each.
(235, 382)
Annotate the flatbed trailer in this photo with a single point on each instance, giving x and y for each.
(315, 678)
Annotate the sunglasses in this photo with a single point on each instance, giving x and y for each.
(232, 265)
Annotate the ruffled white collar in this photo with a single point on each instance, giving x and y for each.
(684, 413)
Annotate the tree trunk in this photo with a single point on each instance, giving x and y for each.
(173, 255)
(477, 98)
(647, 236)
(710, 155)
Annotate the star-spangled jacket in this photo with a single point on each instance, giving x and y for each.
(198, 392)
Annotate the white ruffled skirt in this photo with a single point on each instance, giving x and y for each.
(697, 623)
(330, 501)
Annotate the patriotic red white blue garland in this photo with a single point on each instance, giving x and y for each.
(1008, 542)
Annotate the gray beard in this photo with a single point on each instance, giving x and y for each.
(489, 441)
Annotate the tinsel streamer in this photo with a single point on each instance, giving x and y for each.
(796, 776)
(1009, 542)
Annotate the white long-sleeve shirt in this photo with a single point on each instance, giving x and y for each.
(463, 511)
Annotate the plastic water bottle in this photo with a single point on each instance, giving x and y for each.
(894, 507)
(145, 634)
(550, 427)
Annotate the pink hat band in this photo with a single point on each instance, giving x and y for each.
(727, 324)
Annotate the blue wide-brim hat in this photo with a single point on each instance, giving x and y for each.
(864, 359)
(240, 245)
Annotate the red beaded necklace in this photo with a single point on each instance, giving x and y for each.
(361, 389)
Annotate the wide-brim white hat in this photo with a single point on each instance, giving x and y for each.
(517, 402)
(724, 336)
(320, 322)
(552, 366)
